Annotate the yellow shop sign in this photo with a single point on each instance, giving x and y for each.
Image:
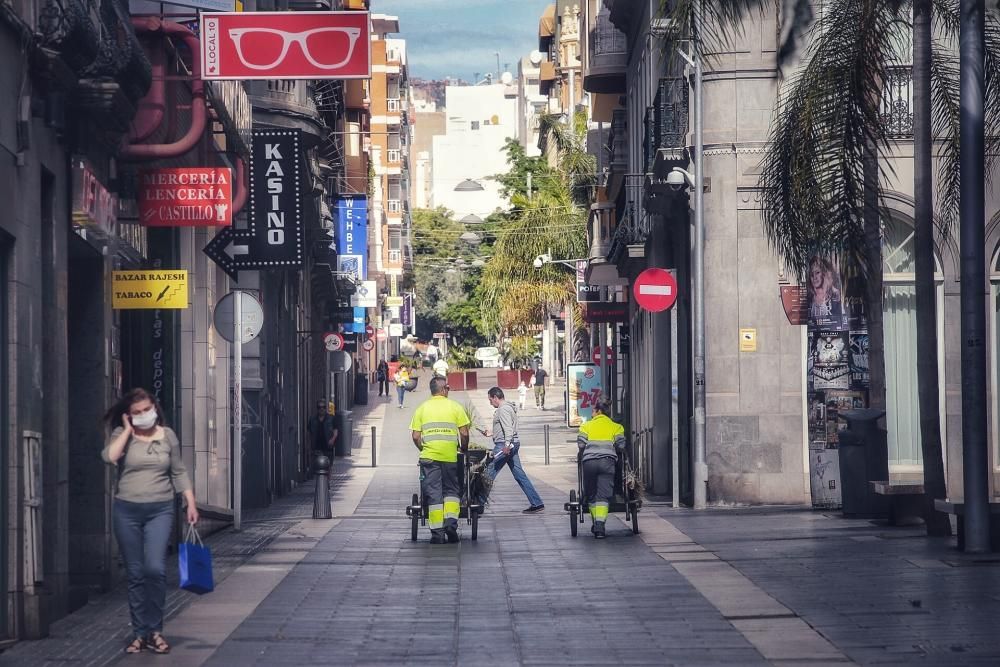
(149, 289)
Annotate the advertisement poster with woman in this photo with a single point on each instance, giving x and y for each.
(826, 295)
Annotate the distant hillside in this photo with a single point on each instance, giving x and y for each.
(430, 91)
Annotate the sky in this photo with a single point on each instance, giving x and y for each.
(458, 38)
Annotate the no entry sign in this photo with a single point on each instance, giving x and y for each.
(655, 290)
(609, 355)
(285, 45)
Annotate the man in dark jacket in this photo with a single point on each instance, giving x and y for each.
(323, 430)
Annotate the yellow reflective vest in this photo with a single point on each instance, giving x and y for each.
(438, 420)
(600, 437)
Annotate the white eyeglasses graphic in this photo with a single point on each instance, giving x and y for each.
(288, 38)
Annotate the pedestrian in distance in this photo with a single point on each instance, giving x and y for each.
(440, 368)
(506, 445)
(151, 472)
(323, 430)
(522, 395)
(540, 376)
(382, 376)
(600, 440)
(439, 428)
(402, 377)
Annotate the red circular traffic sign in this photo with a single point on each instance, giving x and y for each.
(369, 330)
(655, 290)
(609, 355)
(334, 342)
(368, 345)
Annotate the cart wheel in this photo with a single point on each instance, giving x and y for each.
(634, 507)
(414, 518)
(475, 523)
(572, 514)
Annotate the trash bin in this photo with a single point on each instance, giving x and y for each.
(361, 389)
(346, 435)
(864, 457)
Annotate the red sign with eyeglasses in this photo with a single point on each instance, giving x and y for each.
(285, 45)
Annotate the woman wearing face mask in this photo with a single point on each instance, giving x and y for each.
(150, 473)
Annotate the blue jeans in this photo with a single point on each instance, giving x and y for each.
(401, 392)
(513, 461)
(142, 531)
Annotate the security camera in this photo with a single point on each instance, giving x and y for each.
(542, 260)
(676, 180)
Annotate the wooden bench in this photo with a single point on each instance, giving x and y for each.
(905, 501)
(957, 507)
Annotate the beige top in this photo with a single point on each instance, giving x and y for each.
(153, 470)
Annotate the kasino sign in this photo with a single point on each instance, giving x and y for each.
(193, 197)
(285, 45)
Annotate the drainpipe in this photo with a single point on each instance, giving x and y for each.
(142, 152)
(241, 191)
(153, 106)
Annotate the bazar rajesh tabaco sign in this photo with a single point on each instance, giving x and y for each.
(285, 45)
(187, 197)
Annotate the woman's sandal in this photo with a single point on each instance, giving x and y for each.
(157, 644)
(136, 646)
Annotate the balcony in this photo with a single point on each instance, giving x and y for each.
(667, 127)
(606, 58)
(393, 156)
(395, 207)
(394, 257)
(286, 103)
(602, 222)
(628, 243)
(392, 105)
(897, 101)
(618, 152)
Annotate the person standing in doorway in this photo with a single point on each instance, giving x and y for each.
(599, 441)
(151, 472)
(506, 444)
(322, 430)
(439, 428)
(540, 376)
(402, 377)
(382, 376)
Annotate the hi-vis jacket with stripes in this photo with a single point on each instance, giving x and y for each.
(600, 437)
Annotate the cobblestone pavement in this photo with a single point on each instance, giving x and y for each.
(778, 585)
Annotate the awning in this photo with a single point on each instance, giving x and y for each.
(547, 71)
(547, 24)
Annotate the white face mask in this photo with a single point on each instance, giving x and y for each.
(145, 420)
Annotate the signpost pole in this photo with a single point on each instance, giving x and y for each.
(237, 410)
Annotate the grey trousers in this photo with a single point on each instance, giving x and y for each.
(599, 485)
(441, 491)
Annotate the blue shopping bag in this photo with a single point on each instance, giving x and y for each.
(195, 562)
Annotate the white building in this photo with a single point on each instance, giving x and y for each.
(530, 102)
(479, 121)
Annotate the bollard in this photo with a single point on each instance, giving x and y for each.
(546, 444)
(373, 446)
(321, 498)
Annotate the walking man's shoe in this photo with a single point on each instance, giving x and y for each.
(533, 509)
(598, 530)
(452, 533)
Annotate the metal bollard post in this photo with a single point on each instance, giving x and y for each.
(321, 497)
(373, 446)
(546, 444)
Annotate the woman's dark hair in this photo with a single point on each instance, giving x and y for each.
(113, 417)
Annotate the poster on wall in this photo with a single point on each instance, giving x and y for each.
(829, 360)
(824, 478)
(583, 389)
(817, 420)
(825, 295)
(858, 360)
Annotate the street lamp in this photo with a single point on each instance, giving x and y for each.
(699, 472)
(546, 258)
(469, 185)
(472, 238)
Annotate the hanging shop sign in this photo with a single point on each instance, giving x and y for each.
(358, 323)
(795, 303)
(366, 295)
(186, 197)
(285, 45)
(605, 313)
(94, 207)
(393, 302)
(149, 289)
(395, 329)
(352, 235)
(406, 312)
(274, 237)
(585, 293)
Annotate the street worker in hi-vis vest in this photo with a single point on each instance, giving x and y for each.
(439, 427)
(599, 440)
